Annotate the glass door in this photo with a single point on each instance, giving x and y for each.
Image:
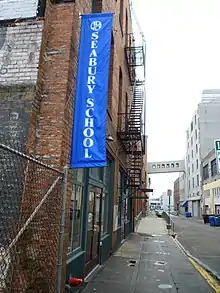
(94, 227)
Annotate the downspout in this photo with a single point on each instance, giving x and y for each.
(93, 6)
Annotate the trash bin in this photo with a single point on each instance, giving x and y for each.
(188, 215)
(212, 221)
(217, 221)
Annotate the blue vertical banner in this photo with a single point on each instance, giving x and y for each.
(89, 127)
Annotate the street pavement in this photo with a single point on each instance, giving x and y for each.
(148, 261)
(200, 240)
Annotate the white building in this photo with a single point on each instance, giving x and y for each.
(155, 203)
(203, 130)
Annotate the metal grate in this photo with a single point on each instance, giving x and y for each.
(30, 199)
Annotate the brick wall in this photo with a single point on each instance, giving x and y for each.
(176, 193)
(19, 52)
(51, 122)
(12, 9)
(19, 59)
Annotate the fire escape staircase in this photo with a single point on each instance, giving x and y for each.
(131, 134)
(131, 128)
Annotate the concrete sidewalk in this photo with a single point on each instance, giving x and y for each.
(149, 261)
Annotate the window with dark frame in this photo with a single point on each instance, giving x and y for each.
(205, 172)
(213, 167)
(198, 180)
(75, 218)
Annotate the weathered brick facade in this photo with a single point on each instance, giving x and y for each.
(10, 9)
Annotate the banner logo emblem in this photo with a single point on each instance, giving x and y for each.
(96, 26)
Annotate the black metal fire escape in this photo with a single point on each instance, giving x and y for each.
(131, 129)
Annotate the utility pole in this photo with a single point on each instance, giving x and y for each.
(169, 193)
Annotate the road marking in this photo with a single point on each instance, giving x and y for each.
(210, 280)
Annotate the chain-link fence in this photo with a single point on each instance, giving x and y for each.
(31, 195)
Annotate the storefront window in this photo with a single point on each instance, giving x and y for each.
(97, 173)
(75, 217)
(78, 175)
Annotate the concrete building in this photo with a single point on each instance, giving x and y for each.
(38, 69)
(211, 184)
(176, 193)
(203, 130)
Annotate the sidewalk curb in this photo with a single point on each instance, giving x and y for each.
(213, 273)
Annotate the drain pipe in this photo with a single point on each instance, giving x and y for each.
(93, 6)
(62, 230)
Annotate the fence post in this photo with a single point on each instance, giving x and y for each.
(62, 230)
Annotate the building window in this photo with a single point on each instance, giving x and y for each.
(188, 158)
(196, 134)
(75, 217)
(197, 179)
(192, 153)
(195, 120)
(197, 164)
(191, 140)
(213, 167)
(193, 183)
(205, 172)
(97, 173)
(187, 134)
(196, 148)
(120, 191)
(192, 168)
(189, 185)
(192, 126)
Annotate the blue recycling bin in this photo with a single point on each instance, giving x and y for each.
(188, 215)
(212, 221)
(217, 221)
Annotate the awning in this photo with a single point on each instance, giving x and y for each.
(185, 204)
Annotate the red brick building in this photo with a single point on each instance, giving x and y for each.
(37, 87)
(176, 191)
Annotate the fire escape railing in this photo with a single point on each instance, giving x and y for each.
(131, 124)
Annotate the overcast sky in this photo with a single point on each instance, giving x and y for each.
(182, 59)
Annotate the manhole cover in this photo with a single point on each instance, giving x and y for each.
(164, 286)
(160, 263)
(132, 261)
